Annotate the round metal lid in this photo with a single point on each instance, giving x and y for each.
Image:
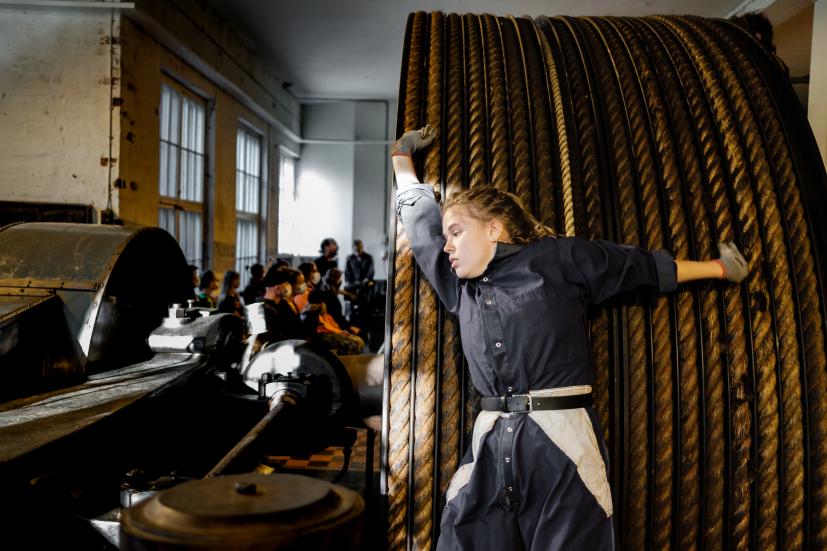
(280, 511)
(245, 495)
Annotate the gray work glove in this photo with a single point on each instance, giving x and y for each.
(733, 262)
(413, 140)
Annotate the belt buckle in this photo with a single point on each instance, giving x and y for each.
(518, 400)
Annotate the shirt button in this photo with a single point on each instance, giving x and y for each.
(498, 344)
(489, 302)
(510, 488)
(509, 429)
(485, 279)
(509, 389)
(508, 460)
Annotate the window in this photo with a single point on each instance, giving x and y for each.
(248, 202)
(287, 205)
(181, 178)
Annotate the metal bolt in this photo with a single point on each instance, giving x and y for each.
(498, 344)
(509, 429)
(508, 460)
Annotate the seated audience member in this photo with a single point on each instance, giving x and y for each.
(325, 329)
(332, 288)
(278, 294)
(300, 289)
(312, 276)
(281, 263)
(230, 301)
(192, 270)
(207, 290)
(254, 291)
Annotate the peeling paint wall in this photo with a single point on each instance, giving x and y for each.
(54, 106)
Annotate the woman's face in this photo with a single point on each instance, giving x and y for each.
(469, 242)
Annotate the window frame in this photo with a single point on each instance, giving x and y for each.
(259, 217)
(178, 204)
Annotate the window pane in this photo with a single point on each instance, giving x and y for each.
(174, 117)
(198, 181)
(163, 178)
(246, 248)
(191, 236)
(165, 104)
(287, 190)
(166, 219)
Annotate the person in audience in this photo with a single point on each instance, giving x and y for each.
(254, 291)
(207, 290)
(359, 267)
(329, 249)
(192, 270)
(332, 288)
(359, 281)
(325, 331)
(278, 294)
(230, 301)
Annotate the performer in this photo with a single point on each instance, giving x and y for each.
(535, 475)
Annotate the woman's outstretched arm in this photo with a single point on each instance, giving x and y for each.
(731, 266)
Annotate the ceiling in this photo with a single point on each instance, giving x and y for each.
(353, 48)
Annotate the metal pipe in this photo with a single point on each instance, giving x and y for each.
(246, 446)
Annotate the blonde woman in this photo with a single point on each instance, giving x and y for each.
(535, 475)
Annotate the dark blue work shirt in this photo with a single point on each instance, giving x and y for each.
(523, 321)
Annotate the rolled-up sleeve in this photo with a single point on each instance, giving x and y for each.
(419, 212)
(603, 269)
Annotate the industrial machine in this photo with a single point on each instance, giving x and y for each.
(120, 403)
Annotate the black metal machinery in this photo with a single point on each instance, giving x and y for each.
(113, 398)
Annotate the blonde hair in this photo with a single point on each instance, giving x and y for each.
(486, 203)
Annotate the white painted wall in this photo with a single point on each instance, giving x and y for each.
(342, 187)
(370, 184)
(324, 177)
(817, 106)
(54, 106)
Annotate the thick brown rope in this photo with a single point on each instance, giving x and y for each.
(689, 493)
(813, 335)
(403, 316)
(455, 179)
(767, 480)
(477, 120)
(792, 432)
(519, 113)
(662, 494)
(584, 115)
(716, 184)
(713, 377)
(542, 131)
(562, 136)
(498, 130)
(426, 320)
(787, 186)
(638, 489)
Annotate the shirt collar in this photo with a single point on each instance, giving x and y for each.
(503, 252)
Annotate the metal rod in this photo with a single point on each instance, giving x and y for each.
(247, 444)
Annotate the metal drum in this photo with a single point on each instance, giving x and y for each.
(77, 299)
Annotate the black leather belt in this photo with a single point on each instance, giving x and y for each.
(525, 402)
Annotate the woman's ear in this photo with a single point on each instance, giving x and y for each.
(496, 230)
